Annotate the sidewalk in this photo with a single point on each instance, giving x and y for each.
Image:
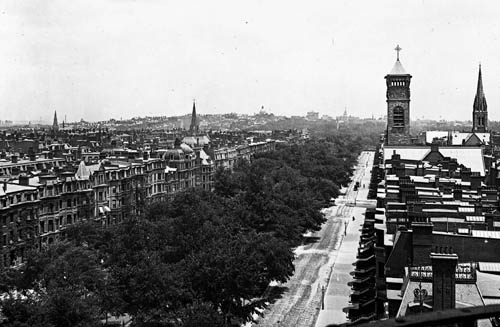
(337, 292)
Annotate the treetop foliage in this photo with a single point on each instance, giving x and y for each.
(204, 258)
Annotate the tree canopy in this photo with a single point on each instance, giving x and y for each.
(203, 258)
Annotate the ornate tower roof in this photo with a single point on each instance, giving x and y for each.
(398, 69)
(480, 99)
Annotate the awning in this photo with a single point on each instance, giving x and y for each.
(101, 210)
(106, 209)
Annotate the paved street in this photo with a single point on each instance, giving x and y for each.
(300, 305)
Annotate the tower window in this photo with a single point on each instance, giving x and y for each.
(398, 117)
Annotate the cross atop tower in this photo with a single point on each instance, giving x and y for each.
(398, 48)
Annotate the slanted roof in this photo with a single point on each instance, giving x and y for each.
(205, 158)
(398, 69)
(13, 188)
(493, 267)
(83, 172)
(486, 234)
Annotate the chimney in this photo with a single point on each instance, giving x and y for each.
(24, 180)
(145, 156)
(465, 174)
(443, 279)
(51, 155)
(3, 155)
(5, 186)
(422, 241)
(457, 192)
(478, 209)
(32, 157)
(13, 158)
(177, 143)
(475, 181)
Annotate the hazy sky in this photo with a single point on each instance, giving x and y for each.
(97, 59)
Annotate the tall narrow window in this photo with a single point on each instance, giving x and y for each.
(398, 117)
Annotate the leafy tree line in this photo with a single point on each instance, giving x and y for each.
(202, 259)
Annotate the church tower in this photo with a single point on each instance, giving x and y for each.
(480, 109)
(398, 104)
(55, 124)
(193, 128)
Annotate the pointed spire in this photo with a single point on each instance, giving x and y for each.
(480, 99)
(55, 124)
(480, 90)
(480, 108)
(193, 128)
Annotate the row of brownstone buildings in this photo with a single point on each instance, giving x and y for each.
(43, 193)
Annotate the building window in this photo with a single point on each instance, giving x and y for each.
(398, 117)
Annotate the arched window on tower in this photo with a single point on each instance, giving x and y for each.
(398, 117)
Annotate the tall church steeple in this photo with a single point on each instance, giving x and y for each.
(480, 108)
(193, 128)
(55, 124)
(398, 104)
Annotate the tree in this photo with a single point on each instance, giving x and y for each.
(58, 286)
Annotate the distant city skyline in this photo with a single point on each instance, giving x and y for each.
(102, 59)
